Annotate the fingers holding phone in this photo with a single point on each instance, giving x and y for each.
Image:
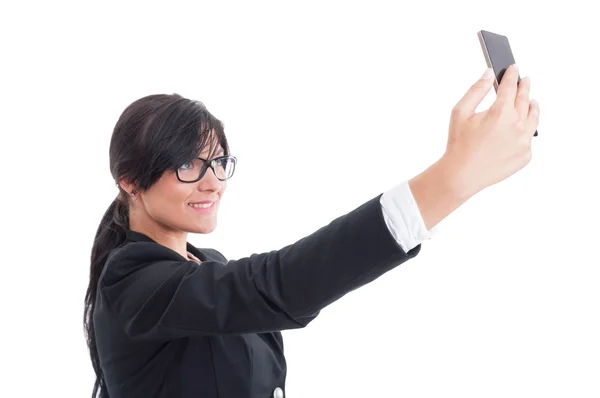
(499, 56)
(533, 116)
(489, 146)
(513, 98)
(522, 101)
(508, 87)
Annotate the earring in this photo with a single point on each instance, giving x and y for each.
(133, 192)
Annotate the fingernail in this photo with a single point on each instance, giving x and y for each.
(516, 67)
(488, 74)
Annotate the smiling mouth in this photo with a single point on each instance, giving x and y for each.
(201, 205)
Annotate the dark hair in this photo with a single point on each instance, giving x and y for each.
(154, 134)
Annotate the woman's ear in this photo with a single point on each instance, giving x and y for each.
(128, 187)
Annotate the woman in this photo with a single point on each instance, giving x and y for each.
(166, 319)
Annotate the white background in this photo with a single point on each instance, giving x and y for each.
(326, 105)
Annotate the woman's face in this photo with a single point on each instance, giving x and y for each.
(167, 205)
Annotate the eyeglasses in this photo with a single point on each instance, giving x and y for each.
(222, 166)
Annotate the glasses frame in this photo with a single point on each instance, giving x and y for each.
(209, 164)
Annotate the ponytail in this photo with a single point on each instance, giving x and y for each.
(111, 234)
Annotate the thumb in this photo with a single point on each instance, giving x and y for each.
(473, 97)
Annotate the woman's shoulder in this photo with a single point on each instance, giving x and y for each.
(138, 246)
(131, 257)
(138, 252)
(208, 254)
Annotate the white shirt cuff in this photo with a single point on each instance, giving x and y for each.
(403, 217)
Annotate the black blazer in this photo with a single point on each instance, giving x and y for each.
(169, 327)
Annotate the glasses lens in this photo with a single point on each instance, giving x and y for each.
(191, 170)
(225, 167)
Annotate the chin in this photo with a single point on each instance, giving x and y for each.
(204, 228)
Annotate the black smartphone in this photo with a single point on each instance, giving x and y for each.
(498, 55)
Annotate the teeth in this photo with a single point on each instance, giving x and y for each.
(201, 206)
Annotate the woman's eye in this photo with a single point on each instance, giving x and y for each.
(188, 165)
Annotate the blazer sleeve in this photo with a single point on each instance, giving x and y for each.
(160, 296)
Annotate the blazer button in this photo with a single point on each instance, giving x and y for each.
(278, 393)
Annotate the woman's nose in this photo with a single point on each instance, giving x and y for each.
(209, 181)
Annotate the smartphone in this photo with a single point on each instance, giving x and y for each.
(498, 55)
